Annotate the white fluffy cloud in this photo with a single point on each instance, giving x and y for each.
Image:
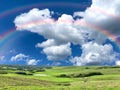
(61, 31)
(95, 54)
(78, 14)
(57, 52)
(28, 20)
(103, 14)
(19, 57)
(27, 59)
(32, 62)
(117, 63)
(58, 33)
(48, 43)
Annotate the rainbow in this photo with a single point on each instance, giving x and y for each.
(10, 33)
(82, 24)
(6, 36)
(28, 7)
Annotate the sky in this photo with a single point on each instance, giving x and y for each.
(60, 32)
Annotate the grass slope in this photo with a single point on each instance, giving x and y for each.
(46, 78)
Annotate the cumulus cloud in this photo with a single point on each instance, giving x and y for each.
(48, 43)
(57, 52)
(95, 54)
(103, 14)
(78, 14)
(19, 57)
(31, 18)
(117, 63)
(62, 30)
(27, 59)
(32, 62)
(60, 33)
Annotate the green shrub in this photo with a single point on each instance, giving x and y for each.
(63, 76)
(107, 67)
(63, 84)
(21, 72)
(77, 75)
(92, 74)
(3, 72)
(86, 67)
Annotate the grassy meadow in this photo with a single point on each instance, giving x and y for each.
(59, 78)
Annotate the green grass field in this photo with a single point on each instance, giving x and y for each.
(59, 78)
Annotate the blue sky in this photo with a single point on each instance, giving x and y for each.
(69, 37)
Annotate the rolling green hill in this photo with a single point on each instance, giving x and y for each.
(59, 78)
